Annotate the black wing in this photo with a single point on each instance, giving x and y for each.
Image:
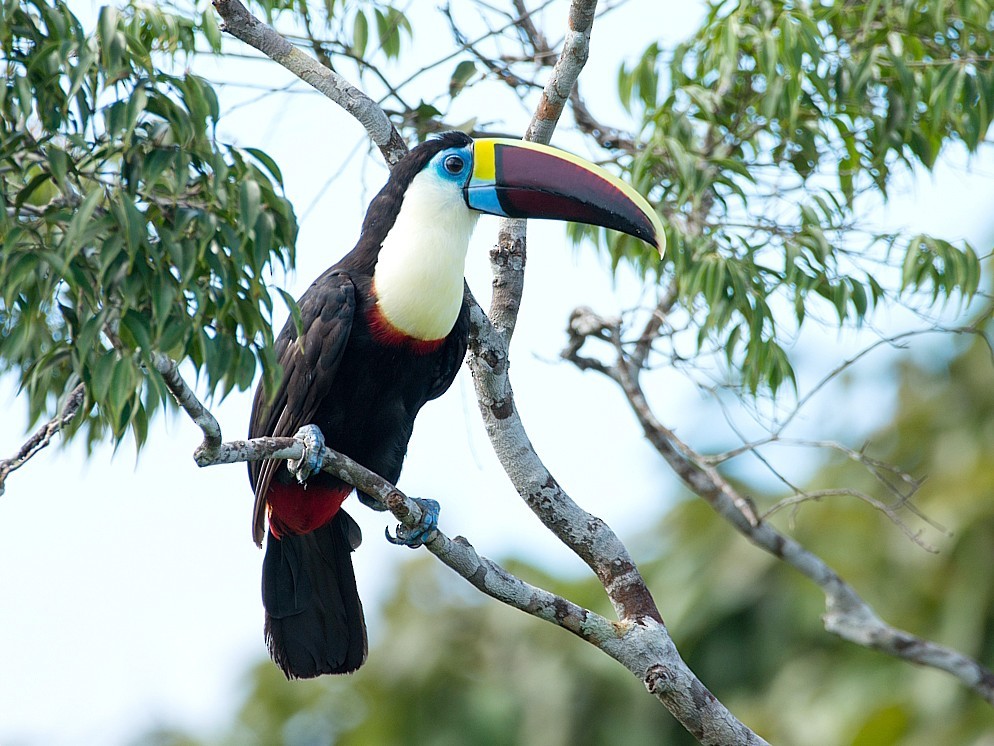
(309, 366)
(453, 353)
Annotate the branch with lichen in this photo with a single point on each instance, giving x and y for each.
(639, 641)
(847, 614)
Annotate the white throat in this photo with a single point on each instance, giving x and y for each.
(418, 277)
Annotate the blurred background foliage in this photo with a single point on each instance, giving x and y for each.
(449, 667)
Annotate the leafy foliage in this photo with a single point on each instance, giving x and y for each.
(778, 118)
(760, 139)
(347, 23)
(126, 228)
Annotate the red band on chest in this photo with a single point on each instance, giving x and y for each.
(387, 334)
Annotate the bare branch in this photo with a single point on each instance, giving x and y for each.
(640, 641)
(847, 614)
(642, 644)
(609, 138)
(588, 536)
(43, 435)
(240, 23)
(463, 45)
(659, 315)
(892, 340)
(189, 402)
(508, 258)
(319, 49)
(498, 68)
(572, 58)
(543, 53)
(890, 511)
(585, 534)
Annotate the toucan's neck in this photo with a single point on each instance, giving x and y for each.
(418, 278)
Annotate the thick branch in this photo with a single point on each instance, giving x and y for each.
(508, 258)
(642, 645)
(640, 641)
(572, 58)
(240, 23)
(587, 535)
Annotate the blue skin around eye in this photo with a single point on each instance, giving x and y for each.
(439, 163)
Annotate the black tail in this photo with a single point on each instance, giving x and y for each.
(314, 621)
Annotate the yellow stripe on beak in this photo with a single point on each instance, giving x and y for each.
(484, 160)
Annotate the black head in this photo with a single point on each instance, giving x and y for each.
(385, 205)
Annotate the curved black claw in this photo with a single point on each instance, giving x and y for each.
(415, 537)
(309, 463)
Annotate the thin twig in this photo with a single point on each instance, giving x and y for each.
(43, 436)
(240, 23)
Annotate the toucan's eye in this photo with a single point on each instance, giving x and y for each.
(454, 164)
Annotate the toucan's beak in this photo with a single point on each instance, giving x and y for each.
(519, 179)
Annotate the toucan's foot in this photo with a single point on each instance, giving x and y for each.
(310, 462)
(416, 536)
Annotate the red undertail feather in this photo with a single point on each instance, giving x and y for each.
(300, 509)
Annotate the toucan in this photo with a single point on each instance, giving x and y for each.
(381, 333)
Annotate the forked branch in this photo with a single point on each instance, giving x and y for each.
(847, 614)
(639, 640)
(642, 644)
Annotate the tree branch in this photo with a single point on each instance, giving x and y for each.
(641, 644)
(43, 435)
(543, 53)
(241, 24)
(509, 257)
(640, 640)
(847, 614)
(585, 534)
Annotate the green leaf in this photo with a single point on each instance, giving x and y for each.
(460, 76)
(110, 45)
(360, 34)
(211, 30)
(294, 309)
(58, 162)
(81, 221)
(249, 201)
(267, 163)
(137, 326)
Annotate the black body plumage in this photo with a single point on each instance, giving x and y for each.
(364, 395)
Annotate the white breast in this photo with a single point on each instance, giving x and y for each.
(418, 279)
